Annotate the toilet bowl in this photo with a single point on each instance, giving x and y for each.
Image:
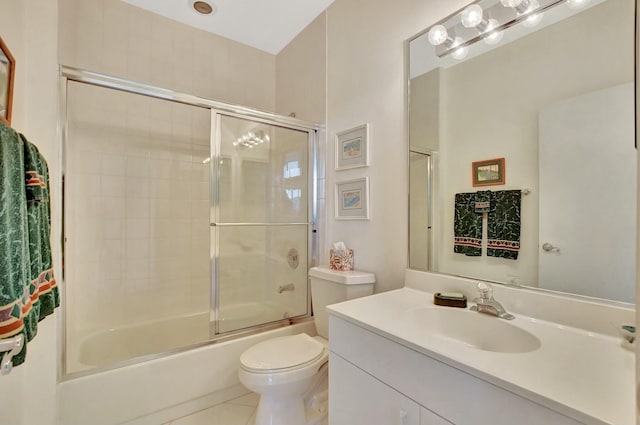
(289, 372)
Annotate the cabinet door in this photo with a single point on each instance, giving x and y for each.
(427, 417)
(357, 398)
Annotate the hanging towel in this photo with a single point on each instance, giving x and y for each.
(28, 289)
(503, 225)
(467, 226)
(483, 202)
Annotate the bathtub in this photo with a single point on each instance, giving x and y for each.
(112, 346)
(158, 390)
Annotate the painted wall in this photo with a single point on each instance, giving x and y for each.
(366, 83)
(152, 49)
(29, 28)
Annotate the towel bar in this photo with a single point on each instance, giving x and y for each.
(11, 347)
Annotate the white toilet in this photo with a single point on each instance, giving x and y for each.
(285, 370)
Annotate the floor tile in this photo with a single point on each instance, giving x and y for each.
(250, 399)
(223, 414)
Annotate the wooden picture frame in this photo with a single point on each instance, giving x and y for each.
(7, 77)
(352, 199)
(352, 148)
(489, 172)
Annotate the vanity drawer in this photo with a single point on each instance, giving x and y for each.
(448, 392)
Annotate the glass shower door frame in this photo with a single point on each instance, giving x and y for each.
(69, 74)
(214, 249)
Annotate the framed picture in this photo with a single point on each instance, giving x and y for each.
(352, 199)
(352, 148)
(489, 172)
(7, 75)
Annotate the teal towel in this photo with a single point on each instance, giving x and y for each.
(467, 226)
(28, 290)
(503, 225)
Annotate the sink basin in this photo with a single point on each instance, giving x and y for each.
(473, 329)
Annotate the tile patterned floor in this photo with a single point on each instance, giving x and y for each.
(239, 411)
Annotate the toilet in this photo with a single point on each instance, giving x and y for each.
(289, 371)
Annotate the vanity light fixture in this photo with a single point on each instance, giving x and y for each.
(534, 15)
(251, 139)
(511, 3)
(471, 16)
(438, 35)
(459, 51)
(577, 4)
(493, 36)
(486, 20)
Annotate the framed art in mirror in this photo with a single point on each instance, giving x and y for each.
(352, 148)
(489, 172)
(352, 199)
(7, 76)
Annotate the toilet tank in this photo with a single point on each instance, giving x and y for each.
(333, 286)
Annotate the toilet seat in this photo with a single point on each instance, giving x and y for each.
(283, 354)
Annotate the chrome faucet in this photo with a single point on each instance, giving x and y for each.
(485, 303)
(628, 333)
(287, 287)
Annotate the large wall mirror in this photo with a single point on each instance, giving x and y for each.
(552, 95)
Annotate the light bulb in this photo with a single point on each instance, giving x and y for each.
(459, 52)
(471, 16)
(535, 18)
(577, 4)
(493, 36)
(511, 3)
(438, 35)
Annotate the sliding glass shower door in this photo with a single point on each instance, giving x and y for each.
(185, 220)
(260, 222)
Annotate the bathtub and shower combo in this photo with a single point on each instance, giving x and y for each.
(188, 231)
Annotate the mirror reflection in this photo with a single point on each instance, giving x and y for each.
(522, 157)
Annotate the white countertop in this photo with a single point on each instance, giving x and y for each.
(581, 374)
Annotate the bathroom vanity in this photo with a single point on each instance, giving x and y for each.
(396, 358)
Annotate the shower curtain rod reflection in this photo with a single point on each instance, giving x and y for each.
(117, 83)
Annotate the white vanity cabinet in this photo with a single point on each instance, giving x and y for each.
(360, 399)
(357, 398)
(375, 380)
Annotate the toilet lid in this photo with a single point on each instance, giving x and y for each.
(282, 353)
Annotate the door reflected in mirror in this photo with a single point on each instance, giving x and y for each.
(557, 103)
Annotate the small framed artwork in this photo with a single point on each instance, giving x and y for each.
(352, 199)
(352, 148)
(7, 75)
(489, 172)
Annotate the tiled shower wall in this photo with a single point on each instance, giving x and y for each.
(143, 209)
(137, 216)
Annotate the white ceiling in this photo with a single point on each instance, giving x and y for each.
(267, 25)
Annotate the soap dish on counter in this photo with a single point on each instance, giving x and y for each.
(450, 299)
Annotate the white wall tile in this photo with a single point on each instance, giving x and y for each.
(137, 208)
(137, 187)
(137, 228)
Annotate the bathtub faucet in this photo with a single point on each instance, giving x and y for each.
(287, 287)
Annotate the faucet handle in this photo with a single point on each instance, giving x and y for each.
(485, 290)
(628, 333)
